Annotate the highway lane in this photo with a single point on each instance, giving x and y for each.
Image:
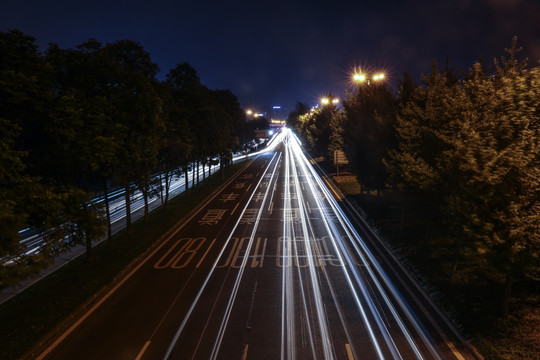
(268, 268)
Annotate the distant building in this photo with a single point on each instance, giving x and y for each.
(278, 116)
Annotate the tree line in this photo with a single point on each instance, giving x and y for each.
(77, 122)
(466, 148)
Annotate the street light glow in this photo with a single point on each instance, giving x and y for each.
(249, 112)
(359, 77)
(378, 77)
(325, 101)
(335, 101)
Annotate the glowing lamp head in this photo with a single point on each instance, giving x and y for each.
(359, 77)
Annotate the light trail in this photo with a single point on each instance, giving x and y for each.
(288, 350)
(208, 277)
(312, 254)
(117, 203)
(245, 259)
(353, 275)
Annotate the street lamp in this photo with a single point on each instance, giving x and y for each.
(361, 78)
(327, 100)
(378, 77)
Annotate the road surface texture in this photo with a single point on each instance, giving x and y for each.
(269, 267)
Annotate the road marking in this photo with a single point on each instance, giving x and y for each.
(271, 208)
(308, 207)
(349, 351)
(235, 208)
(330, 186)
(263, 252)
(455, 351)
(244, 355)
(207, 250)
(135, 269)
(139, 356)
(255, 262)
(177, 255)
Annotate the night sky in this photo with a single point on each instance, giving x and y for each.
(281, 52)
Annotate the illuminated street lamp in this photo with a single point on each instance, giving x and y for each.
(361, 78)
(249, 112)
(327, 100)
(378, 77)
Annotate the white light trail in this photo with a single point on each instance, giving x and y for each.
(207, 279)
(354, 278)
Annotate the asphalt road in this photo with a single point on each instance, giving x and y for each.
(268, 268)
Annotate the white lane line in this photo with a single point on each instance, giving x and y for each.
(133, 271)
(214, 266)
(139, 356)
(349, 352)
(234, 292)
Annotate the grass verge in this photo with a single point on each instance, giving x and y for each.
(40, 310)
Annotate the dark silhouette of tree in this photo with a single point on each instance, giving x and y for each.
(472, 147)
(368, 132)
(293, 120)
(137, 109)
(175, 153)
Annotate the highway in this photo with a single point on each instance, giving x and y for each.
(269, 267)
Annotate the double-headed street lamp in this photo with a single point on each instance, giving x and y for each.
(363, 78)
(327, 100)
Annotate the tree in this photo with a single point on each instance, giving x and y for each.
(370, 114)
(137, 111)
(26, 199)
(293, 120)
(316, 126)
(507, 166)
(175, 154)
(82, 131)
(429, 160)
(188, 94)
(472, 146)
(231, 124)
